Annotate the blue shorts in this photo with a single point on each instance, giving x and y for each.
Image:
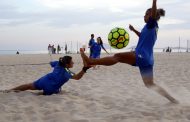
(146, 71)
(45, 84)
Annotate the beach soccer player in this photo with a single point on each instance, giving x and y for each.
(96, 48)
(52, 82)
(143, 54)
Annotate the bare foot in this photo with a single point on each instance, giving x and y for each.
(163, 92)
(174, 101)
(84, 57)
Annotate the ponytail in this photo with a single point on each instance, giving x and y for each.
(63, 61)
(160, 12)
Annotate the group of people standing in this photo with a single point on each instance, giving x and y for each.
(52, 49)
(169, 49)
(95, 47)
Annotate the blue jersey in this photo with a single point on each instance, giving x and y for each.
(52, 82)
(96, 50)
(91, 42)
(147, 39)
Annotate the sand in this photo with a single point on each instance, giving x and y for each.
(109, 94)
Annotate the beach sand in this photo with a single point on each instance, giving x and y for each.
(109, 94)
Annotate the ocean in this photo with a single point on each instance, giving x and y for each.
(12, 52)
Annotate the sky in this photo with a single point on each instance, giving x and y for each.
(33, 24)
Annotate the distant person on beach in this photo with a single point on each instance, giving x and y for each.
(49, 49)
(169, 49)
(58, 49)
(91, 42)
(65, 48)
(53, 49)
(17, 53)
(143, 54)
(52, 82)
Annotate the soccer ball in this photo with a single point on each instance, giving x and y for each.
(118, 38)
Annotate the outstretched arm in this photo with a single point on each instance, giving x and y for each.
(104, 48)
(79, 75)
(134, 30)
(83, 71)
(154, 9)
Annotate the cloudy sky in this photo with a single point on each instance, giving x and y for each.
(33, 24)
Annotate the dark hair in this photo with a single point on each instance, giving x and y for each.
(101, 42)
(64, 60)
(160, 12)
(92, 35)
